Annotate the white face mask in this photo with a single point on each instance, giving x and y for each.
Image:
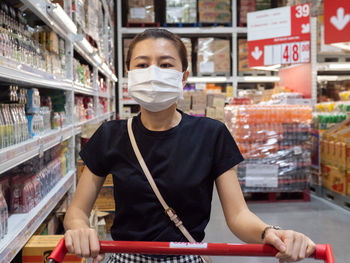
(154, 88)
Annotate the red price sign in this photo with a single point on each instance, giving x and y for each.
(285, 38)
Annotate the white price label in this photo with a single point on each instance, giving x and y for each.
(188, 245)
(206, 67)
(261, 175)
(138, 13)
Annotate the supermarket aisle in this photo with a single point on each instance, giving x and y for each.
(323, 222)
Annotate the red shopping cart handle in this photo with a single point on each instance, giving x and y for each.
(323, 252)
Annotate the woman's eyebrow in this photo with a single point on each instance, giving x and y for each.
(142, 57)
(167, 57)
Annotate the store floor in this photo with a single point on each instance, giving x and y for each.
(322, 221)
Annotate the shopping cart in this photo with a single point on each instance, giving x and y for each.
(323, 252)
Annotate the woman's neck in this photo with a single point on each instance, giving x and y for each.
(161, 121)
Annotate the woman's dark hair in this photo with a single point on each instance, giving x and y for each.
(159, 33)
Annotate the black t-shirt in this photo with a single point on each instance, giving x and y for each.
(184, 162)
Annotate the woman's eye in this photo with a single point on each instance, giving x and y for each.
(166, 65)
(142, 65)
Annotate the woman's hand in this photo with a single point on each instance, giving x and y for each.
(84, 242)
(292, 246)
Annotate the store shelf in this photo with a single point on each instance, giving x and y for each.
(19, 153)
(258, 79)
(39, 8)
(213, 79)
(184, 30)
(29, 76)
(84, 89)
(332, 78)
(104, 94)
(22, 226)
(334, 66)
(97, 119)
(129, 102)
(336, 198)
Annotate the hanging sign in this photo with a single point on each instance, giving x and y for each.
(279, 36)
(336, 21)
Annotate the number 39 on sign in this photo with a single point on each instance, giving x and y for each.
(295, 52)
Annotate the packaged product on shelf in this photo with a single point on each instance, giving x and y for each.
(33, 101)
(181, 11)
(3, 215)
(213, 56)
(141, 11)
(243, 54)
(35, 125)
(188, 44)
(262, 4)
(245, 6)
(274, 142)
(79, 13)
(92, 18)
(218, 11)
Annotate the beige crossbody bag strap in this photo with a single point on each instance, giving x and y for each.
(168, 210)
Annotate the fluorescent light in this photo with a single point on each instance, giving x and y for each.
(97, 59)
(339, 66)
(341, 45)
(269, 68)
(208, 79)
(61, 17)
(261, 79)
(86, 46)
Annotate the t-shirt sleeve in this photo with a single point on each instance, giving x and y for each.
(226, 152)
(95, 152)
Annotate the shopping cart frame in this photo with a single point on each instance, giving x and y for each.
(323, 251)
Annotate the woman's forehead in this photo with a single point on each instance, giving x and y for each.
(155, 47)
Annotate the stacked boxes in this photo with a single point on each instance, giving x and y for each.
(216, 104)
(335, 158)
(39, 248)
(181, 11)
(141, 11)
(188, 44)
(126, 44)
(199, 103)
(245, 6)
(218, 11)
(213, 56)
(274, 142)
(243, 55)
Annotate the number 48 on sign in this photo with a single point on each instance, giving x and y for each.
(288, 53)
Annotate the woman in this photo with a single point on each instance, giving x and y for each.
(185, 156)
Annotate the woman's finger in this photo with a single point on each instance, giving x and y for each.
(69, 242)
(303, 248)
(311, 247)
(99, 258)
(298, 242)
(94, 243)
(85, 242)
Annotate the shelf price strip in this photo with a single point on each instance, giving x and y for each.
(279, 36)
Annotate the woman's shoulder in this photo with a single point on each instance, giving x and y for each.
(113, 127)
(204, 122)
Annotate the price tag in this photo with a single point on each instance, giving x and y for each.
(261, 175)
(206, 67)
(41, 151)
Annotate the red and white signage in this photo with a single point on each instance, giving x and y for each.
(336, 21)
(279, 36)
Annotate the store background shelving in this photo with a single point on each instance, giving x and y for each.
(22, 226)
(232, 32)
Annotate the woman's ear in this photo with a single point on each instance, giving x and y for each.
(185, 77)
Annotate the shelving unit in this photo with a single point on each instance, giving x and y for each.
(23, 226)
(232, 32)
